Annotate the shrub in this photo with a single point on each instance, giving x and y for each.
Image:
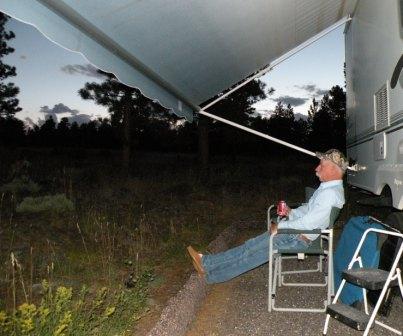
(103, 312)
(20, 185)
(58, 203)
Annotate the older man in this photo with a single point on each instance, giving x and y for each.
(315, 214)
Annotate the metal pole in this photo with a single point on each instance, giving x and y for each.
(247, 129)
(262, 72)
(280, 60)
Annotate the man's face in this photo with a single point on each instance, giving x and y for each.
(327, 171)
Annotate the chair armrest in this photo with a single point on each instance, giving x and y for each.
(295, 204)
(273, 210)
(292, 231)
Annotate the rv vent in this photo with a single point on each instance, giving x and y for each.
(382, 110)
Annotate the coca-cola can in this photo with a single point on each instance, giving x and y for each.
(282, 208)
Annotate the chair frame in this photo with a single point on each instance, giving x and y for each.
(276, 274)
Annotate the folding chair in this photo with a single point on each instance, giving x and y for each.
(322, 247)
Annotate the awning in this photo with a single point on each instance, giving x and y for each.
(180, 52)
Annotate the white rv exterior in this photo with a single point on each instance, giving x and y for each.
(374, 79)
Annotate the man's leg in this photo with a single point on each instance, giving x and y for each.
(254, 252)
(226, 265)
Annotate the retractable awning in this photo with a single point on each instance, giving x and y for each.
(180, 52)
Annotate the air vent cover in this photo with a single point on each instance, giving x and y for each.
(381, 108)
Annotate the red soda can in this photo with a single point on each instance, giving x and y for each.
(282, 209)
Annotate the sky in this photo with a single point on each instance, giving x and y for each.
(49, 76)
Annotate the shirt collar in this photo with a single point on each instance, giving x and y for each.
(331, 184)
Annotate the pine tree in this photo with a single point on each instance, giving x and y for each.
(313, 108)
(327, 121)
(237, 107)
(282, 122)
(130, 110)
(8, 91)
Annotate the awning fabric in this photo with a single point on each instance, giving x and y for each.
(180, 52)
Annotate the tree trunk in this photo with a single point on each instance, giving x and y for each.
(203, 141)
(126, 140)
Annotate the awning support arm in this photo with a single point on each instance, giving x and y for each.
(247, 129)
(355, 167)
(261, 73)
(279, 60)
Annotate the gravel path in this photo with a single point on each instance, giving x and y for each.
(239, 307)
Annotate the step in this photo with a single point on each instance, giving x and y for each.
(369, 278)
(348, 315)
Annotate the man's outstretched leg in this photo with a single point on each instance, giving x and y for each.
(254, 252)
(226, 265)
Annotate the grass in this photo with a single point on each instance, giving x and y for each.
(121, 231)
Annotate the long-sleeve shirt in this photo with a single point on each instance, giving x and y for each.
(316, 213)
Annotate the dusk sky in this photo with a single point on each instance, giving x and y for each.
(49, 76)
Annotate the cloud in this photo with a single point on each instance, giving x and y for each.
(57, 109)
(307, 87)
(264, 113)
(293, 101)
(321, 92)
(312, 89)
(299, 116)
(29, 122)
(86, 70)
(80, 119)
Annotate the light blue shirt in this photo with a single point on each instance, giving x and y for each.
(316, 213)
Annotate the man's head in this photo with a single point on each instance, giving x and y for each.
(332, 165)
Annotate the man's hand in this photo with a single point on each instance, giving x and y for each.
(285, 210)
(273, 228)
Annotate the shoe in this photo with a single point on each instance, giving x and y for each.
(196, 259)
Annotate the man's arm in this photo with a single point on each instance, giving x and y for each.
(316, 218)
(298, 212)
(317, 213)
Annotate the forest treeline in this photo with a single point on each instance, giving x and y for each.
(324, 128)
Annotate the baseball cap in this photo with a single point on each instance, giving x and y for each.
(335, 156)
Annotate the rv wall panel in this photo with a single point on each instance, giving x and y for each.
(374, 51)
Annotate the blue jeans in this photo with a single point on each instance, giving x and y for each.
(254, 252)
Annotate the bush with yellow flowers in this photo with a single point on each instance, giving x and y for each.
(100, 312)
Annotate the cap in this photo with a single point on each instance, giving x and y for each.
(335, 156)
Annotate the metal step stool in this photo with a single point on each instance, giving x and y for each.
(368, 279)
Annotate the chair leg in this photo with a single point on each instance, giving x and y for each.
(269, 284)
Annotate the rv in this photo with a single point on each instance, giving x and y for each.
(374, 79)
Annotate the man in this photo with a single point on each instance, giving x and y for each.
(315, 214)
